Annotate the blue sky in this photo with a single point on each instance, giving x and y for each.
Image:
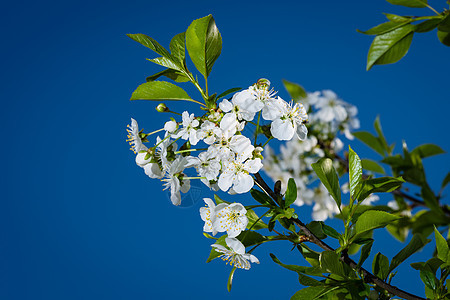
(81, 221)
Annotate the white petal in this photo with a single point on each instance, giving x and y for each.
(247, 101)
(140, 159)
(235, 245)
(253, 165)
(225, 181)
(243, 183)
(301, 131)
(282, 129)
(225, 105)
(153, 171)
(229, 123)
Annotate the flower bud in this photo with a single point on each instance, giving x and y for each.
(162, 108)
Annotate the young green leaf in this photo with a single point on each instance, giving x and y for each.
(229, 91)
(291, 193)
(220, 200)
(251, 238)
(372, 166)
(427, 25)
(410, 3)
(378, 185)
(204, 44)
(380, 266)
(316, 228)
(150, 43)
(253, 221)
(383, 28)
(296, 91)
(312, 292)
(365, 252)
(427, 150)
(178, 48)
(160, 90)
(261, 197)
(169, 73)
(444, 31)
(417, 242)
(330, 263)
(354, 171)
(372, 219)
(327, 174)
(215, 254)
(397, 18)
(428, 278)
(370, 140)
(299, 269)
(330, 231)
(379, 130)
(445, 181)
(390, 47)
(443, 252)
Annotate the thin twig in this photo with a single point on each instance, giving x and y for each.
(368, 277)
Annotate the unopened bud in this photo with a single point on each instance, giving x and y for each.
(162, 108)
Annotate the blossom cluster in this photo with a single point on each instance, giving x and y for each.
(328, 116)
(229, 158)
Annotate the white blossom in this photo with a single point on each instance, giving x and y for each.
(170, 126)
(206, 164)
(330, 107)
(235, 172)
(290, 121)
(208, 214)
(133, 137)
(188, 132)
(208, 132)
(325, 207)
(230, 218)
(172, 179)
(235, 254)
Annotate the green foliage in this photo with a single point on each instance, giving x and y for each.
(427, 150)
(230, 279)
(254, 222)
(442, 249)
(354, 171)
(380, 266)
(296, 91)
(204, 44)
(409, 3)
(365, 252)
(214, 254)
(327, 174)
(261, 197)
(417, 242)
(159, 90)
(443, 32)
(370, 220)
(372, 166)
(291, 193)
(370, 140)
(378, 185)
(227, 92)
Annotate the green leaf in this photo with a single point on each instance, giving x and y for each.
(150, 43)
(308, 281)
(261, 197)
(160, 90)
(417, 242)
(383, 28)
(330, 263)
(291, 193)
(379, 130)
(330, 231)
(220, 200)
(230, 279)
(327, 174)
(390, 47)
(444, 31)
(365, 252)
(378, 185)
(253, 221)
(251, 238)
(372, 166)
(354, 171)
(178, 48)
(397, 18)
(370, 140)
(229, 91)
(316, 228)
(380, 266)
(298, 269)
(312, 292)
(427, 25)
(427, 150)
(214, 254)
(445, 181)
(296, 91)
(204, 43)
(428, 278)
(409, 3)
(169, 73)
(372, 219)
(443, 252)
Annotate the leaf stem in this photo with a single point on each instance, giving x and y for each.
(257, 128)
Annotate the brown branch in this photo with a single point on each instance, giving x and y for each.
(368, 277)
